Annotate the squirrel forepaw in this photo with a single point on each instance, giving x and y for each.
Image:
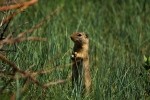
(74, 55)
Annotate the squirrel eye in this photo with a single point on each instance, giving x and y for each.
(79, 35)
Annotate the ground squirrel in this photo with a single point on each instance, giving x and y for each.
(80, 61)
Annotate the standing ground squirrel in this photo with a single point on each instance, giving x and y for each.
(80, 61)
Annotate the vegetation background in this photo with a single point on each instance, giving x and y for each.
(119, 32)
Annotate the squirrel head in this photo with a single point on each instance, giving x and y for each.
(79, 38)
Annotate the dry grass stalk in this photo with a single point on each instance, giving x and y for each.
(21, 6)
(25, 74)
(18, 5)
(31, 76)
(62, 81)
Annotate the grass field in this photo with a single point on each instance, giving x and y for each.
(119, 32)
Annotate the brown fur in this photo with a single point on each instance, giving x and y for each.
(80, 60)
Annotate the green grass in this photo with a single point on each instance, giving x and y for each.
(119, 33)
